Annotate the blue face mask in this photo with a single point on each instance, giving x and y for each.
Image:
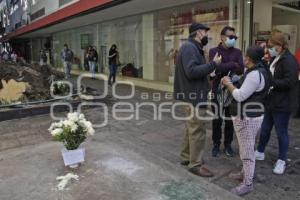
(230, 42)
(273, 52)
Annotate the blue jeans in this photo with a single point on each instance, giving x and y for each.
(112, 73)
(67, 69)
(281, 122)
(92, 66)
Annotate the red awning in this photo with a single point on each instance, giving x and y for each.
(58, 16)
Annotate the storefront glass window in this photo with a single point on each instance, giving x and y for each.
(126, 34)
(148, 43)
(172, 27)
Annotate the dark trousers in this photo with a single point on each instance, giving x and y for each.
(281, 122)
(112, 73)
(217, 127)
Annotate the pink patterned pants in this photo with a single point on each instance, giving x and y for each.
(246, 130)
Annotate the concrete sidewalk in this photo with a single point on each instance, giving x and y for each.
(135, 159)
(116, 168)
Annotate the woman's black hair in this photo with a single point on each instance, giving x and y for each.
(255, 53)
(113, 46)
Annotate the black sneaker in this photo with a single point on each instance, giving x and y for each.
(216, 150)
(185, 163)
(228, 151)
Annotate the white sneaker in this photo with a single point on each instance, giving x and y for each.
(259, 156)
(279, 167)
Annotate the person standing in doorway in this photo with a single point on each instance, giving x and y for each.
(191, 86)
(282, 100)
(113, 63)
(97, 59)
(67, 57)
(232, 63)
(86, 60)
(43, 58)
(92, 60)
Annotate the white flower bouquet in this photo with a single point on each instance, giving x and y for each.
(60, 88)
(72, 131)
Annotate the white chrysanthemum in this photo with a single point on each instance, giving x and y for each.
(90, 131)
(81, 123)
(74, 122)
(55, 125)
(74, 127)
(60, 124)
(73, 116)
(88, 125)
(57, 131)
(68, 123)
(81, 117)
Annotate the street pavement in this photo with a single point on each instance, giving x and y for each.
(133, 159)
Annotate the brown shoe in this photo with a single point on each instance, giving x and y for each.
(201, 171)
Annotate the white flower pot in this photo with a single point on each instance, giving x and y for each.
(72, 158)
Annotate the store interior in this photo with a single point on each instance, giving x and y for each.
(173, 25)
(282, 15)
(288, 21)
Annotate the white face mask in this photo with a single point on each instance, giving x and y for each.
(230, 42)
(273, 52)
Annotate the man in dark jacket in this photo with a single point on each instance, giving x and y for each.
(232, 63)
(282, 100)
(191, 86)
(67, 57)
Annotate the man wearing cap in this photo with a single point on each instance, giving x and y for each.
(191, 86)
(232, 63)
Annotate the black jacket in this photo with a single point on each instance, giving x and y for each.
(191, 74)
(93, 56)
(113, 60)
(283, 94)
(252, 106)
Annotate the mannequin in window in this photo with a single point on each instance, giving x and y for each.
(172, 55)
